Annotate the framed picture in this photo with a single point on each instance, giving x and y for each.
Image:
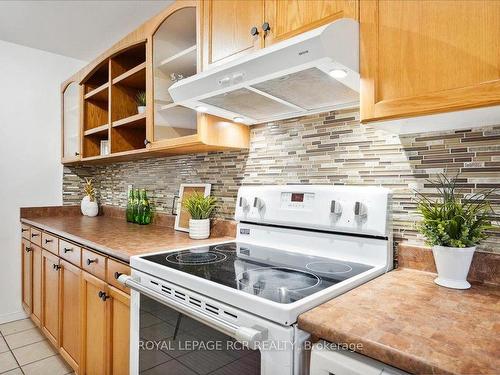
(182, 216)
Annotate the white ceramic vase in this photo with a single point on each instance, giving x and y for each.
(89, 208)
(141, 109)
(452, 264)
(199, 229)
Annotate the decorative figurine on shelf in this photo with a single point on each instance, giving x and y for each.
(201, 208)
(141, 101)
(89, 205)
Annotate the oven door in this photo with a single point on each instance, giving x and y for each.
(177, 331)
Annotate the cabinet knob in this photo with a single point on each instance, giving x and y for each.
(56, 267)
(24, 230)
(90, 261)
(147, 142)
(35, 234)
(77, 153)
(28, 249)
(102, 295)
(266, 27)
(67, 249)
(47, 240)
(117, 275)
(254, 31)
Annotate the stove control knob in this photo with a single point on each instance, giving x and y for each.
(243, 203)
(258, 204)
(335, 208)
(360, 210)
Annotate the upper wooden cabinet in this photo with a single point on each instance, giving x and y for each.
(164, 49)
(232, 28)
(70, 121)
(421, 57)
(289, 18)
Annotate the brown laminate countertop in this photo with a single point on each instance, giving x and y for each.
(116, 237)
(403, 319)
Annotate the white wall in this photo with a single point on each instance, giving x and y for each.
(30, 168)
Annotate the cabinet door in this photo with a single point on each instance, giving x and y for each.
(421, 57)
(119, 331)
(94, 330)
(70, 311)
(292, 17)
(50, 296)
(37, 284)
(71, 122)
(227, 28)
(26, 275)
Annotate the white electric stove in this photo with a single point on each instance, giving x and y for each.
(297, 246)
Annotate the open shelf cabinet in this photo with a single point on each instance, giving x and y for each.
(110, 103)
(150, 59)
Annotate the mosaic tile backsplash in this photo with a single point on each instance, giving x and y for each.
(329, 148)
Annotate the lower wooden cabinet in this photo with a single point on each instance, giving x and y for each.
(85, 316)
(119, 331)
(26, 259)
(50, 296)
(36, 257)
(94, 332)
(70, 312)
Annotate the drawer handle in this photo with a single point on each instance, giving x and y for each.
(266, 27)
(102, 295)
(47, 240)
(24, 230)
(67, 249)
(254, 31)
(56, 267)
(117, 275)
(35, 234)
(90, 261)
(28, 249)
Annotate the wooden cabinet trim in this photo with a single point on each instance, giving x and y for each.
(118, 324)
(36, 277)
(373, 106)
(26, 277)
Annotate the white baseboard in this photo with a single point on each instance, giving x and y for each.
(10, 317)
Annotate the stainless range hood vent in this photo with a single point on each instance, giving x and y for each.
(289, 79)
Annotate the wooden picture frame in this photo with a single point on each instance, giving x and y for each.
(182, 216)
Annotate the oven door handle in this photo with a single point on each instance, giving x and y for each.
(246, 335)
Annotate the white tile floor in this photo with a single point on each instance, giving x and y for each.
(24, 350)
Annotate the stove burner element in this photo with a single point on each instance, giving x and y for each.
(230, 247)
(275, 279)
(329, 267)
(195, 258)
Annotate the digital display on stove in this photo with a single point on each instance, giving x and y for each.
(297, 197)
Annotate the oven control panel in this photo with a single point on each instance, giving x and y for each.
(297, 200)
(349, 209)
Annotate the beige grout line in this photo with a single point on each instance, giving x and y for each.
(12, 353)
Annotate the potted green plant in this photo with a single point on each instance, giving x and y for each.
(201, 208)
(453, 226)
(89, 205)
(140, 99)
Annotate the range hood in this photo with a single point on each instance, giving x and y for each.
(288, 79)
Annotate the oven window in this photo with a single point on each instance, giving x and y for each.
(172, 343)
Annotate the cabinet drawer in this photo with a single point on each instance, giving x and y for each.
(94, 263)
(25, 231)
(50, 243)
(113, 268)
(36, 236)
(70, 252)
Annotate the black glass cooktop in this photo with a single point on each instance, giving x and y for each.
(276, 275)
